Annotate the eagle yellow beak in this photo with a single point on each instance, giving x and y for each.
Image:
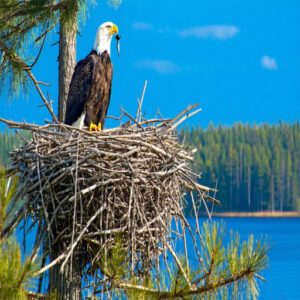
(114, 30)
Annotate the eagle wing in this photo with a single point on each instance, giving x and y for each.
(100, 89)
(79, 89)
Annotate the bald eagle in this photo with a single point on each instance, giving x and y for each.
(90, 87)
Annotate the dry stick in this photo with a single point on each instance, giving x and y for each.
(21, 125)
(35, 82)
(146, 225)
(133, 120)
(130, 226)
(42, 199)
(167, 264)
(190, 230)
(189, 108)
(197, 225)
(177, 232)
(188, 115)
(140, 103)
(82, 233)
(185, 248)
(45, 128)
(107, 217)
(50, 265)
(206, 207)
(74, 212)
(179, 264)
(214, 196)
(201, 188)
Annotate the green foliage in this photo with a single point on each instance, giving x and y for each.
(15, 275)
(255, 167)
(24, 26)
(8, 142)
(114, 262)
(231, 270)
(221, 272)
(7, 190)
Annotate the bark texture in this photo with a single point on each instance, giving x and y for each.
(66, 284)
(67, 62)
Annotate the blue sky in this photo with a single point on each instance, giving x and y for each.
(239, 59)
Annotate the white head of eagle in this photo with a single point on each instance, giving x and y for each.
(90, 87)
(103, 37)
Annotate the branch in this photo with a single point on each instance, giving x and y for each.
(24, 11)
(186, 116)
(140, 103)
(179, 265)
(50, 265)
(103, 207)
(15, 58)
(185, 293)
(46, 102)
(216, 285)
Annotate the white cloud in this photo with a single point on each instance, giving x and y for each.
(141, 26)
(220, 32)
(269, 63)
(159, 66)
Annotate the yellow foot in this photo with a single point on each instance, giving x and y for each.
(93, 127)
(99, 126)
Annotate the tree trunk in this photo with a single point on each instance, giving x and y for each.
(67, 284)
(249, 188)
(272, 194)
(67, 62)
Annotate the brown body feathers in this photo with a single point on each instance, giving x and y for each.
(90, 89)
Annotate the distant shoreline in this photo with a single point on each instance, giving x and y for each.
(261, 214)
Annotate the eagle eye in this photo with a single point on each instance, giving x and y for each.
(108, 26)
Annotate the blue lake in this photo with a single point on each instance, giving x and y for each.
(283, 274)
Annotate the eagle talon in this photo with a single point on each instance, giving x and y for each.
(99, 126)
(93, 127)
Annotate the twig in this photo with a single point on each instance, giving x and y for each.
(140, 103)
(81, 234)
(188, 115)
(35, 82)
(179, 265)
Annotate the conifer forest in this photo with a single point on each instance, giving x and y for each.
(255, 168)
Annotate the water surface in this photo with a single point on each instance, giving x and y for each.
(283, 274)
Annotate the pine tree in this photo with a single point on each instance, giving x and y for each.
(16, 276)
(257, 168)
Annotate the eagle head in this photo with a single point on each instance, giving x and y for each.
(104, 35)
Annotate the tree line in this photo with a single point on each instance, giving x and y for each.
(254, 167)
(8, 141)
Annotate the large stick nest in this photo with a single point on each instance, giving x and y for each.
(88, 188)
